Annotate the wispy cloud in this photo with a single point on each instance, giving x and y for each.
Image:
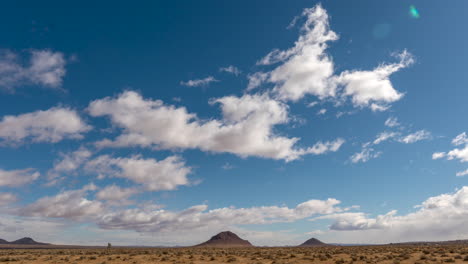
(199, 82)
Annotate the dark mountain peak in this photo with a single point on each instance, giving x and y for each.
(3, 241)
(26, 241)
(313, 242)
(226, 239)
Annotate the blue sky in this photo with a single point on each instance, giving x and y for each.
(141, 123)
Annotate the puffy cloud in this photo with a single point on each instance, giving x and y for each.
(199, 82)
(438, 155)
(462, 173)
(415, 137)
(230, 69)
(442, 217)
(7, 198)
(155, 175)
(460, 139)
(256, 79)
(461, 154)
(116, 194)
(14, 178)
(69, 162)
(306, 68)
(424, 224)
(71, 204)
(392, 122)
(45, 67)
(373, 87)
(457, 153)
(246, 128)
(52, 125)
(197, 217)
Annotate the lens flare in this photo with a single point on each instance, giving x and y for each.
(413, 12)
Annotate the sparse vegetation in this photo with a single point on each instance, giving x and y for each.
(389, 254)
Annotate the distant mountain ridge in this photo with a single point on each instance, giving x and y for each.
(22, 241)
(225, 239)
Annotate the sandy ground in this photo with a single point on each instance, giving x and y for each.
(335, 255)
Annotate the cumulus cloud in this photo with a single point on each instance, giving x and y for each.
(415, 137)
(373, 88)
(45, 67)
(116, 194)
(154, 175)
(307, 69)
(246, 128)
(199, 82)
(14, 178)
(438, 155)
(68, 163)
(197, 217)
(71, 204)
(230, 69)
(462, 173)
(52, 125)
(461, 139)
(422, 225)
(457, 153)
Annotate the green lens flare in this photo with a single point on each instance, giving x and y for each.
(414, 12)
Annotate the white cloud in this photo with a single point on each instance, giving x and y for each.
(69, 162)
(52, 125)
(7, 198)
(462, 173)
(438, 155)
(384, 136)
(461, 139)
(246, 128)
(416, 136)
(306, 68)
(45, 67)
(322, 111)
(67, 204)
(312, 104)
(230, 69)
(365, 155)
(166, 174)
(392, 122)
(114, 193)
(457, 153)
(422, 225)
(256, 79)
(461, 154)
(374, 87)
(14, 178)
(199, 82)
(197, 217)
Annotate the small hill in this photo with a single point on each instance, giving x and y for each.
(26, 241)
(225, 239)
(313, 242)
(3, 241)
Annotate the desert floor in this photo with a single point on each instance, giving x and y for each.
(362, 254)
